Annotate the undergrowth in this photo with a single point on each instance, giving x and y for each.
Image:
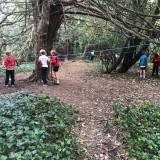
(139, 129)
(37, 128)
(25, 67)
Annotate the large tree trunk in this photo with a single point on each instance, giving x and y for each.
(55, 20)
(129, 54)
(48, 18)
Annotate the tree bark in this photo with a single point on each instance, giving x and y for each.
(129, 54)
(48, 18)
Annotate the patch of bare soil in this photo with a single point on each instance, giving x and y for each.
(83, 86)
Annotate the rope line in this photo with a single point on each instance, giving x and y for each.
(107, 50)
(111, 51)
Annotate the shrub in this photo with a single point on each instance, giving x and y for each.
(25, 67)
(36, 127)
(140, 130)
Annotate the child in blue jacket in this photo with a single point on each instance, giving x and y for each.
(143, 61)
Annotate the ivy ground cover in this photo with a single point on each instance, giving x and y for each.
(36, 128)
(139, 130)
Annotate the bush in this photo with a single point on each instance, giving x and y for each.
(36, 127)
(25, 67)
(140, 130)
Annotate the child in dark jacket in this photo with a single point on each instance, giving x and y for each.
(156, 63)
(55, 63)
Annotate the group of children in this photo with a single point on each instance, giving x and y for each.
(55, 63)
(143, 62)
(9, 62)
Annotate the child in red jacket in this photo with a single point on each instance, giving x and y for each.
(156, 63)
(55, 63)
(9, 63)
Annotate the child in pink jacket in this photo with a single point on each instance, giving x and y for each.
(9, 62)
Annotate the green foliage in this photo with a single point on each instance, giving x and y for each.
(36, 127)
(2, 72)
(94, 33)
(140, 130)
(26, 67)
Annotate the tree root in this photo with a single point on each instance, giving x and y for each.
(51, 79)
(34, 78)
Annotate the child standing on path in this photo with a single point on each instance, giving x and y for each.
(100, 56)
(43, 60)
(92, 55)
(55, 63)
(156, 63)
(9, 63)
(143, 61)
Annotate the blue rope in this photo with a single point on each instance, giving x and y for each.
(107, 50)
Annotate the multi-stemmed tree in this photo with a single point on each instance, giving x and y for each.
(137, 20)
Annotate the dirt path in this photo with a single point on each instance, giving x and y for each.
(92, 93)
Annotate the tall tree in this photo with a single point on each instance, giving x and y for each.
(138, 20)
(48, 17)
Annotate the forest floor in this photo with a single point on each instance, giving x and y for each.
(83, 86)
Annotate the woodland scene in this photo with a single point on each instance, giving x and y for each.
(102, 100)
